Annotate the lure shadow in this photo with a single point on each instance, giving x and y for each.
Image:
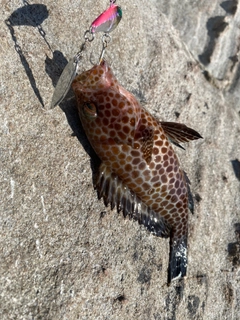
(54, 67)
(28, 15)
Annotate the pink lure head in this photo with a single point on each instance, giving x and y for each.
(108, 20)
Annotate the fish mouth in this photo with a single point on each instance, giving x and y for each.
(99, 77)
(107, 74)
(104, 65)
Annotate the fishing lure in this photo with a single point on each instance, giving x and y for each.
(139, 173)
(106, 22)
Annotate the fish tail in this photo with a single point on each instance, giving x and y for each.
(177, 268)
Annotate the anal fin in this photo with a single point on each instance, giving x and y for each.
(114, 192)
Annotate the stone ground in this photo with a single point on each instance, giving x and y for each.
(63, 254)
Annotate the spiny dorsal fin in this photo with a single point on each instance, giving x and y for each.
(178, 132)
(113, 191)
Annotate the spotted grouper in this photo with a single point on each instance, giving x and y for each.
(139, 172)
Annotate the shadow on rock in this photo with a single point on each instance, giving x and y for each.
(215, 27)
(234, 248)
(230, 6)
(236, 168)
(54, 68)
(28, 15)
(71, 112)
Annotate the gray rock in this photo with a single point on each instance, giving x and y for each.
(210, 30)
(63, 254)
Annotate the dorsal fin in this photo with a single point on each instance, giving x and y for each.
(178, 132)
(113, 191)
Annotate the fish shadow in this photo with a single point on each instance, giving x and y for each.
(70, 109)
(54, 68)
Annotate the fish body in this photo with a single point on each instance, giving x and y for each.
(139, 173)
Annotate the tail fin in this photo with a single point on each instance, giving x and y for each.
(177, 268)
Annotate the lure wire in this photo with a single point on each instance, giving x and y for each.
(106, 39)
(105, 22)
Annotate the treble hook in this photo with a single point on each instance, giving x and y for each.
(106, 39)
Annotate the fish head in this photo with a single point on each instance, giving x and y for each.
(93, 89)
(90, 82)
(104, 106)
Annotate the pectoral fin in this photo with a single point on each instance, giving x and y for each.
(147, 143)
(178, 132)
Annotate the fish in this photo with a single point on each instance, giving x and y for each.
(139, 172)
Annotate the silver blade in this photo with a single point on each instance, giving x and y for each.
(64, 82)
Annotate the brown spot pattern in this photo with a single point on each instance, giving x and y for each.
(141, 158)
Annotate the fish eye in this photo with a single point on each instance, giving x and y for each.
(90, 110)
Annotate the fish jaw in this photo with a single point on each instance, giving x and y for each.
(100, 77)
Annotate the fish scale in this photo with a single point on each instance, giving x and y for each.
(139, 173)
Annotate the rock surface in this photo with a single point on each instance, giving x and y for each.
(63, 254)
(211, 32)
